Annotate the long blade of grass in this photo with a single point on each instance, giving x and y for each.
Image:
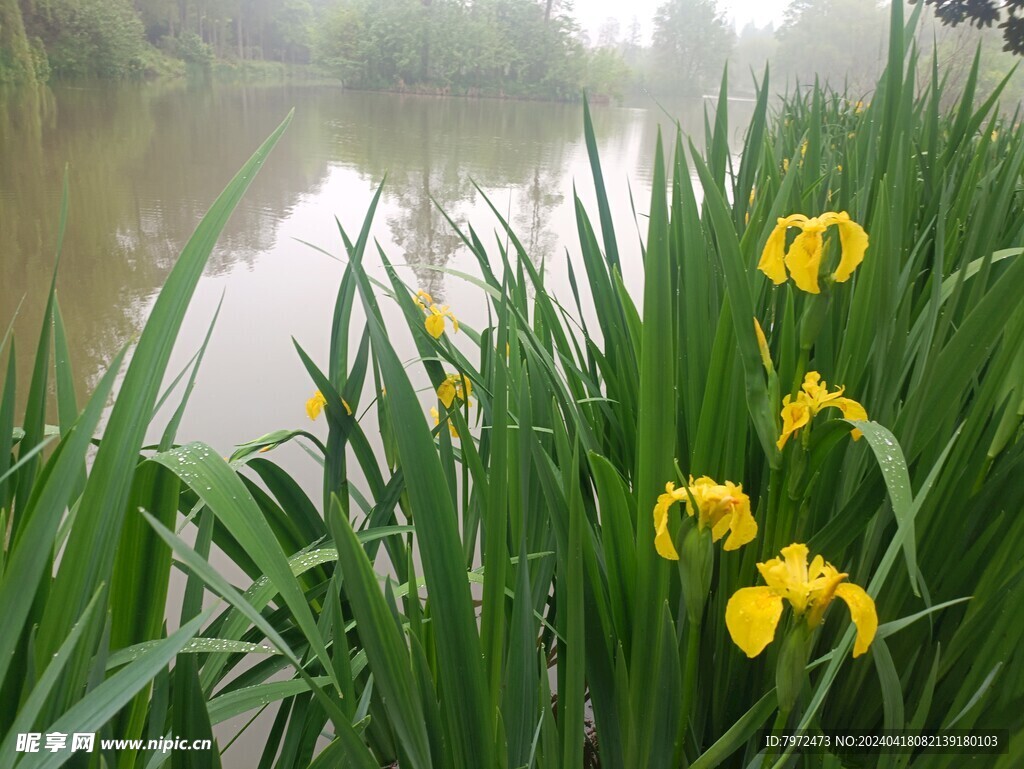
(89, 553)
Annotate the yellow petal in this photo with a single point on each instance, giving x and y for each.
(795, 556)
(348, 409)
(698, 489)
(863, 614)
(446, 392)
(823, 589)
(851, 410)
(743, 527)
(777, 576)
(771, 263)
(790, 576)
(794, 416)
(804, 260)
(817, 567)
(435, 325)
(662, 537)
(437, 420)
(752, 615)
(817, 391)
(854, 242)
(315, 405)
(720, 527)
(762, 347)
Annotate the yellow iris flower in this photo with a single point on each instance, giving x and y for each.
(434, 322)
(812, 398)
(803, 259)
(316, 404)
(723, 508)
(454, 386)
(437, 421)
(753, 613)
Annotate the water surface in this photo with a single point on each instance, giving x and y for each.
(145, 162)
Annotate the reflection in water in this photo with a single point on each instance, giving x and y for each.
(144, 164)
(434, 150)
(146, 161)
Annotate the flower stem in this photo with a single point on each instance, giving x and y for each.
(771, 521)
(689, 690)
(690, 673)
(781, 718)
(801, 369)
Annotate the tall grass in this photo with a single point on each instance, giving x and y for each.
(573, 643)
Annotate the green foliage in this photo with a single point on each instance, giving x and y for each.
(17, 62)
(983, 14)
(340, 40)
(841, 42)
(692, 39)
(755, 47)
(954, 49)
(102, 38)
(492, 47)
(191, 49)
(606, 73)
(119, 38)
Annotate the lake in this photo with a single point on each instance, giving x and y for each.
(146, 160)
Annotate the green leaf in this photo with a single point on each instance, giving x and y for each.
(386, 652)
(221, 490)
(897, 480)
(89, 552)
(102, 703)
(458, 643)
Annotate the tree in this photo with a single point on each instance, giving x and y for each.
(608, 34)
(88, 37)
(983, 13)
(692, 40)
(499, 47)
(631, 47)
(955, 49)
(16, 63)
(754, 47)
(838, 41)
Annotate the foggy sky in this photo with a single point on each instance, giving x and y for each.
(593, 13)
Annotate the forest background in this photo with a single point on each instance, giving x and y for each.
(504, 48)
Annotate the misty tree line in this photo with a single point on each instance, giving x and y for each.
(117, 38)
(532, 48)
(841, 42)
(496, 47)
(513, 47)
